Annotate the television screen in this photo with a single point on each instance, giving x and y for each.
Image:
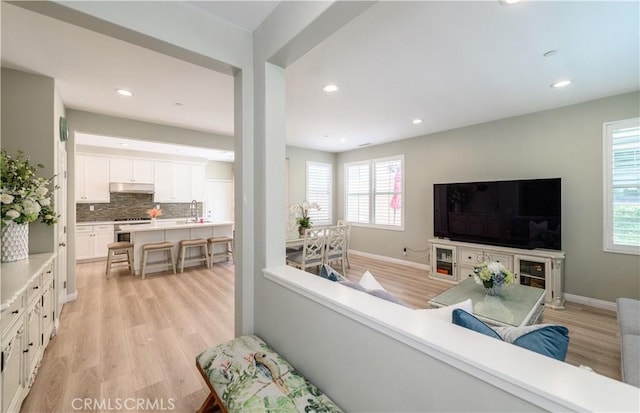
(521, 213)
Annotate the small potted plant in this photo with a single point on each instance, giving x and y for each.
(153, 214)
(302, 210)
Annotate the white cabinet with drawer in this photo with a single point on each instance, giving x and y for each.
(92, 240)
(28, 317)
(538, 268)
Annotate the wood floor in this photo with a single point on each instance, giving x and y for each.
(129, 339)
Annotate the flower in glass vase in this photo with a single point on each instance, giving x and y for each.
(154, 212)
(301, 211)
(492, 276)
(24, 197)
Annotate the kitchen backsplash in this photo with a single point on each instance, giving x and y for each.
(131, 206)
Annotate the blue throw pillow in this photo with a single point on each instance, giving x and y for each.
(330, 274)
(464, 319)
(545, 339)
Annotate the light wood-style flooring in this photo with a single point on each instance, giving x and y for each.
(127, 338)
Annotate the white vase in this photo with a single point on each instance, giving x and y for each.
(15, 242)
(153, 222)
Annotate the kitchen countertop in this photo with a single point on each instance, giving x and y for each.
(169, 225)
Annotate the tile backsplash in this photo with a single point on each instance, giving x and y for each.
(131, 206)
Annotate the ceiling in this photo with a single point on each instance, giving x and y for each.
(451, 64)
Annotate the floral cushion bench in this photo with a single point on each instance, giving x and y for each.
(246, 375)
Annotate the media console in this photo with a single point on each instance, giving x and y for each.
(540, 268)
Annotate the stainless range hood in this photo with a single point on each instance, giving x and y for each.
(131, 188)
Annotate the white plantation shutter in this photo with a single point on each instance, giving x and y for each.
(357, 198)
(622, 186)
(387, 192)
(319, 189)
(374, 192)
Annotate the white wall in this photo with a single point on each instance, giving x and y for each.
(564, 142)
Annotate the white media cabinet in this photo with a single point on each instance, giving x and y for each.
(454, 261)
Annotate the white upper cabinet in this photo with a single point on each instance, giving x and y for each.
(197, 182)
(92, 178)
(178, 182)
(131, 170)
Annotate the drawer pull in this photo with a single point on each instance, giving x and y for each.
(26, 351)
(31, 344)
(15, 312)
(49, 272)
(44, 316)
(36, 287)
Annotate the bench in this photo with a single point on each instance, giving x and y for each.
(247, 375)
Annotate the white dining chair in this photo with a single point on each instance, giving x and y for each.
(336, 249)
(346, 224)
(313, 250)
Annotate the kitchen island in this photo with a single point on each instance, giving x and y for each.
(174, 232)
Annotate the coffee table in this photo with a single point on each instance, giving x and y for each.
(515, 305)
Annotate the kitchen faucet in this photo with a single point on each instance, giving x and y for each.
(194, 208)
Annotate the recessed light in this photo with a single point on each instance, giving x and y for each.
(561, 83)
(124, 92)
(550, 53)
(330, 88)
(416, 121)
(343, 140)
(509, 2)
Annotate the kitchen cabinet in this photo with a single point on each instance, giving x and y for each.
(28, 311)
(178, 182)
(92, 240)
(131, 170)
(92, 178)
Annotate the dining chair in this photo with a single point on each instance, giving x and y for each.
(346, 224)
(313, 250)
(336, 249)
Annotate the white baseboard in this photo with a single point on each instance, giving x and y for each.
(72, 296)
(593, 302)
(391, 260)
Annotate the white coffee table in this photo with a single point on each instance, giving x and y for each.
(515, 305)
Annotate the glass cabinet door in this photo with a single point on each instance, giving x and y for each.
(443, 262)
(532, 272)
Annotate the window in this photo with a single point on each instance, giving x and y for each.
(319, 189)
(374, 191)
(622, 186)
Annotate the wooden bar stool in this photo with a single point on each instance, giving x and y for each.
(183, 252)
(119, 248)
(158, 247)
(211, 245)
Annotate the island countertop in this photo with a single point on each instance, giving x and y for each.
(164, 226)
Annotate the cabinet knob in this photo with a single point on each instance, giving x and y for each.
(62, 244)
(44, 316)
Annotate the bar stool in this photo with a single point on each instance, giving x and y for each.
(183, 251)
(157, 247)
(211, 245)
(117, 248)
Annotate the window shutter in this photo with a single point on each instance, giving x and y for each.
(358, 187)
(625, 186)
(388, 192)
(319, 189)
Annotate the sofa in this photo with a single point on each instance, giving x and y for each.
(629, 324)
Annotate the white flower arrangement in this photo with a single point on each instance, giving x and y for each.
(24, 197)
(302, 210)
(492, 274)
